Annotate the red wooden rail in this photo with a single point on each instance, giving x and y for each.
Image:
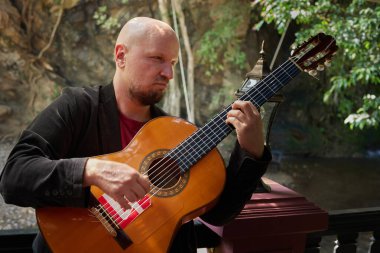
(275, 222)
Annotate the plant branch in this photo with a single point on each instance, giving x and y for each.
(54, 30)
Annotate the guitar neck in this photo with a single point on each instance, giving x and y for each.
(210, 135)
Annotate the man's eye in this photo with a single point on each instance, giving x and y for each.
(158, 58)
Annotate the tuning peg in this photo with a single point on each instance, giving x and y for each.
(328, 63)
(313, 72)
(320, 67)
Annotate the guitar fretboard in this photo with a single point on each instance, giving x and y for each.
(211, 134)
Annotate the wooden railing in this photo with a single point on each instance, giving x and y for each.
(344, 229)
(345, 226)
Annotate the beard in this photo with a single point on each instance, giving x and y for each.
(149, 97)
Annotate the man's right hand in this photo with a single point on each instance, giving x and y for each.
(120, 181)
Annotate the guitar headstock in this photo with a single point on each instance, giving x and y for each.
(315, 54)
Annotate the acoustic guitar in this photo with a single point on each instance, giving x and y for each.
(186, 172)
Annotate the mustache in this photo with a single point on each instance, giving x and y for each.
(162, 79)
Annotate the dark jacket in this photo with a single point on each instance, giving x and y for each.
(45, 168)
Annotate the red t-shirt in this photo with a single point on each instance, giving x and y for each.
(128, 128)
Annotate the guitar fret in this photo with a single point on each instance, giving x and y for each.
(271, 84)
(286, 72)
(181, 156)
(262, 96)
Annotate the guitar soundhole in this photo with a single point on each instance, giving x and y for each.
(164, 173)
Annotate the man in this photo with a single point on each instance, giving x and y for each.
(53, 164)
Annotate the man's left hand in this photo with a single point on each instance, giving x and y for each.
(246, 119)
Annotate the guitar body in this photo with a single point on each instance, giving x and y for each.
(78, 230)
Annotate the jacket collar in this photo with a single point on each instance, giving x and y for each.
(109, 125)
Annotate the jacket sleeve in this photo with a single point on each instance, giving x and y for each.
(243, 175)
(38, 171)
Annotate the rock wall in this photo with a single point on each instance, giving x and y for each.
(34, 71)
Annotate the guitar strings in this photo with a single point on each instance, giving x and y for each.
(166, 172)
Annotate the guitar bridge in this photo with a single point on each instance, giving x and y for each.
(97, 209)
(104, 218)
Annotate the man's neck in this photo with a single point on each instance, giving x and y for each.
(130, 107)
(133, 109)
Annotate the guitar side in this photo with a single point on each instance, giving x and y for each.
(76, 230)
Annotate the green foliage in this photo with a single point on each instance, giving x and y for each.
(105, 21)
(367, 114)
(356, 67)
(220, 98)
(221, 45)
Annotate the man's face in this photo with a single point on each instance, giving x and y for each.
(149, 67)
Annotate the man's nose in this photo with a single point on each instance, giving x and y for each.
(167, 71)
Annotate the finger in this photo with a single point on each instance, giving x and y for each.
(144, 182)
(234, 121)
(254, 109)
(131, 196)
(239, 115)
(246, 107)
(123, 202)
(139, 191)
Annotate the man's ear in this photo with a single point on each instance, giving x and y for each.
(120, 51)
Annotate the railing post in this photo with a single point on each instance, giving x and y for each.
(375, 247)
(313, 243)
(346, 243)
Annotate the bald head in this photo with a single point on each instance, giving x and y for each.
(142, 28)
(146, 52)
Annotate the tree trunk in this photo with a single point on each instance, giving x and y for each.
(190, 59)
(171, 103)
